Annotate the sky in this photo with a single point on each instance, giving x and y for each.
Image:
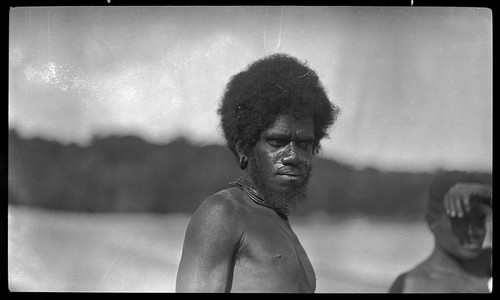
(414, 84)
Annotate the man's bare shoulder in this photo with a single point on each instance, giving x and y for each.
(412, 280)
(420, 275)
(225, 203)
(423, 278)
(212, 237)
(222, 210)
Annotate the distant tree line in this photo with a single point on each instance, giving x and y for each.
(128, 174)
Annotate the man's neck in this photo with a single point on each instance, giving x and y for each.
(256, 196)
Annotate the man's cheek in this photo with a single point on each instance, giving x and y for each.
(458, 229)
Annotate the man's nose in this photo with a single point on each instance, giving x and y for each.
(293, 155)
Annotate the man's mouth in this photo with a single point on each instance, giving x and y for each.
(472, 245)
(290, 174)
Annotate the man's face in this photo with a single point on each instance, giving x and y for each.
(280, 162)
(463, 237)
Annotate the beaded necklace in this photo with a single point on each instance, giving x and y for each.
(257, 197)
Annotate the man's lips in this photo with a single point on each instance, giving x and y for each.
(472, 245)
(291, 173)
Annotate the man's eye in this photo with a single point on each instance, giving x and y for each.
(305, 144)
(277, 142)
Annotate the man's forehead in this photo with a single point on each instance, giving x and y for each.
(288, 125)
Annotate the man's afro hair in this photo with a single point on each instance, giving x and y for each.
(274, 85)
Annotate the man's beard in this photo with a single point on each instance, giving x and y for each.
(279, 199)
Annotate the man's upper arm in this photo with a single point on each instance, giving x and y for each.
(212, 237)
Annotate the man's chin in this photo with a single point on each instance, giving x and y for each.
(280, 191)
(471, 249)
(285, 195)
(468, 252)
(287, 185)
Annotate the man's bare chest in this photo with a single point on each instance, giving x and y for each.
(273, 258)
(438, 282)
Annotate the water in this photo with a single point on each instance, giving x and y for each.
(75, 252)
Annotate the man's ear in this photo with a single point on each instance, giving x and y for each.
(430, 217)
(242, 152)
(240, 148)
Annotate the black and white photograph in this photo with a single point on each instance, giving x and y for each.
(250, 149)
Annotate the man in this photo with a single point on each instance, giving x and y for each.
(459, 205)
(273, 115)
